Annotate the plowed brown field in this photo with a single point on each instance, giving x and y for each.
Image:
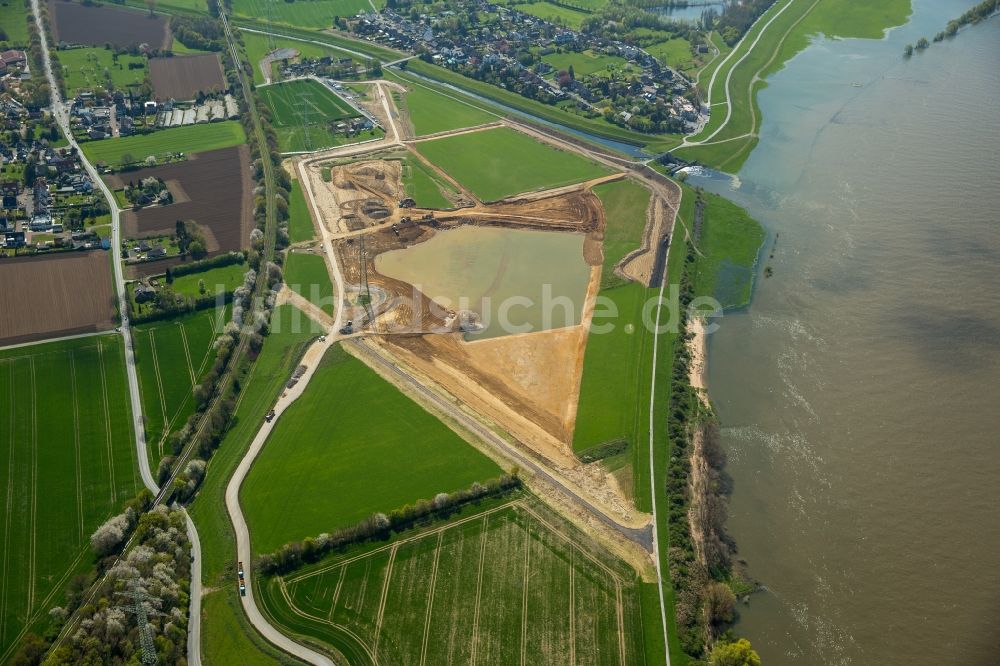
(74, 23)
(213, 188)
(56, 295)
(182, 77)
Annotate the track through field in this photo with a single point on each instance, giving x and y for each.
(159, 389)
(430, 600)
(33, 530)
(76, 446)
(4, 578)
(383, 596)
(187, 355)
(107, 425)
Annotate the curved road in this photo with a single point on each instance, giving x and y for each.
(61, 114)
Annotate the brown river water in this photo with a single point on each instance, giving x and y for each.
(860, 392)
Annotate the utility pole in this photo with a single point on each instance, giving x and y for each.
(138, 596)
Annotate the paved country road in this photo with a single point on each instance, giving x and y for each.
(61, 115)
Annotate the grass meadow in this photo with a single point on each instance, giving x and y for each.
(506, 582)
(308, 276)
(559, 14)
(300, 224)
(497, 163)
(187, 139)
(67, 462)
(424, 185)
(14, 23)
(730, 241)
(584, 63)
(222, 279)
(352, 445)
(84, 69)
(171, 357)
(226, 636)
(431, 111)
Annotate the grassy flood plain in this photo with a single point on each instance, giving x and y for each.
(503, 581)
(227, 637)
(788, 34)
(308, 276)
(497, 163)
(300, 224)
(431, 111)
(67, 461)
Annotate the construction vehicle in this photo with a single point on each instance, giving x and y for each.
(349, 328)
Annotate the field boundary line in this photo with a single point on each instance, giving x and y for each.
(7, 506)
(107, 428)
(620, 613)
(336, 593)
(187, 354)
(383, 597)
(524, 598)
(430, 600)
(76, 443)
(33, 543)
(301, 613)
(447, 526)
(479, 593)
(553, 528)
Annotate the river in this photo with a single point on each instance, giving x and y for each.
(860, 392)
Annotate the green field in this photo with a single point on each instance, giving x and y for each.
(506, 583)
(497, 163)
(223, 279)
(425, 186)
(13, 23)
(308, 276)
(730, 240)
(584, 63)
(558, 14)
(675, 52)
(226, 635)
(625, 203)
(350, 446)
(68, 462)
(188, 139)
(302, 13)
(171, 357)
(431, 111)
(90, 68)
(304, 113)
(300, 225)
(788, 34)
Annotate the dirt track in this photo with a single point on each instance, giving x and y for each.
(56, 295)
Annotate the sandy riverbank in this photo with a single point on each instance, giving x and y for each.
(698, 373)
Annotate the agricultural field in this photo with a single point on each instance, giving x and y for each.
(171, 357)
(187, 139)
(505, 583)
(97, 25)
(222, 279)
(307, 275)
(214, 189)
(300, 224)
(329, 464)
(730, 241)
(585, 62)
(302, 13)
(56, 295)
(304, 113)
(13, 23)
(68, 462)
(430, 111)
(496, 163)
(183, 77)
(425, 186)
(90, 68)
